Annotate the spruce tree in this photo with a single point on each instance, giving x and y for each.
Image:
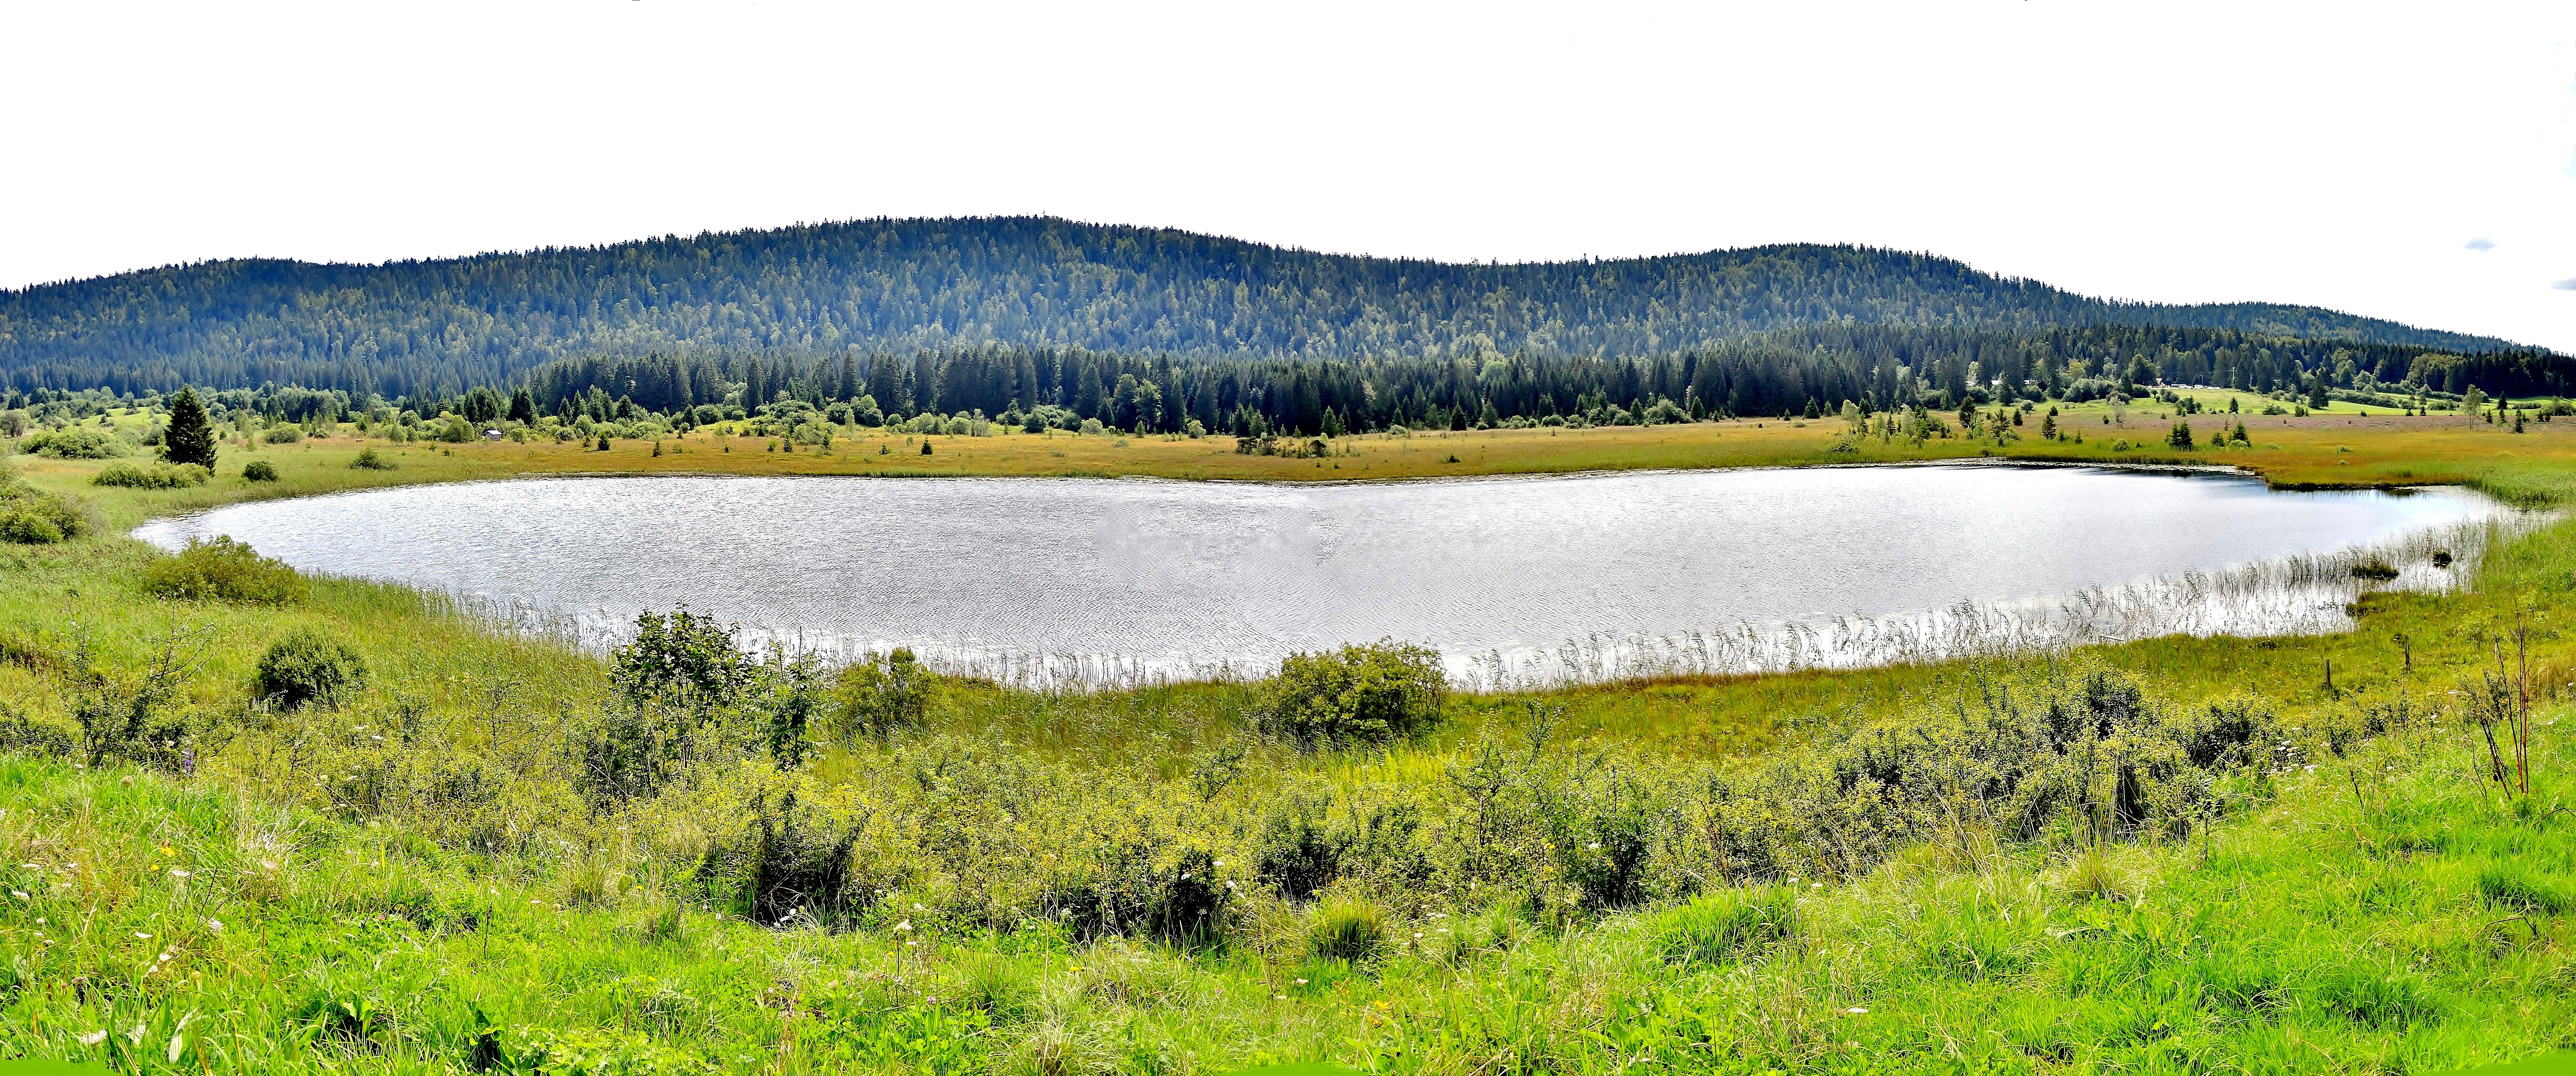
(189, 439)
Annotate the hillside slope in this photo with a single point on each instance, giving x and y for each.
(900, 284)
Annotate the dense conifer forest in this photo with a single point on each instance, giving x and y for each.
(1021, 301)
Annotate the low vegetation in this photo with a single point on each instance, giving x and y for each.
(261, 821)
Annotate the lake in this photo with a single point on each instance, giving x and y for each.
(1513, 579)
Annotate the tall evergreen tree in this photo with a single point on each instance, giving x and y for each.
(190, 439)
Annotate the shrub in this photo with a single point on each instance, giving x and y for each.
(1715, 928)
(370, 460)
(308, 667)
(877, 696)
(154, 476)
(1347, 930)
(259, 471)
(32, 516)
(223, 570)
(282, 435)
(1361, 694)
(76, 443)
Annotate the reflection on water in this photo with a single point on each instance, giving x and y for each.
(1589, 576)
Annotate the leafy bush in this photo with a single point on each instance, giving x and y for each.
(259, 471)
(370, 460)
(1362, 694)
(282, 435)
(153, 476)
(76, 443)
(223, 570)
(33, 516)
(879, 695)
(308, 667)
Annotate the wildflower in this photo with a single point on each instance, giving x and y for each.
(903, 927)
(168, 851)
(21, 894)
(93, 1038)
(1594, 846)
(215, 926)
(1301, 982)
(179, 874)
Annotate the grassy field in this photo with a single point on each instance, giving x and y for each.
(413, 880)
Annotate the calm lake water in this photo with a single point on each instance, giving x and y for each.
(1550, 577)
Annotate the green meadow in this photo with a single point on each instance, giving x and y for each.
(253, 821)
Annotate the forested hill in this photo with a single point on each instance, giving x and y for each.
(901, 285)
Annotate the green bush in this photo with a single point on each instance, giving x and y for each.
(152, 476)
(32, 516)
(1362, 694)
(223, 570)
(282, 435)
(308, 667)
(259, 471)
(76, 443)
(370, 460)
(879, 695)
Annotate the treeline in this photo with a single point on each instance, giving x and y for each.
(900, 287)
(1794, 371)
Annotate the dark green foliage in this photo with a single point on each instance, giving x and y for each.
(888, 285)
(259, 471)
(32, 516)
(154, 476)
(1371, 693)
(797, 865)
(308, 667)
(2179, 436)
(682, 659)
(371, 460)
(190, 438)
(879, 695)
(223, 570)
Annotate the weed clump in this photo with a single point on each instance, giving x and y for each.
(259, 471)
(371, 460)
(1347, 930)
(153, 476)
(308, 667)
(1720, 927)
(223, 570)
(1362, 694)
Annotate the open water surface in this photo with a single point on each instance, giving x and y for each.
(1583, 576)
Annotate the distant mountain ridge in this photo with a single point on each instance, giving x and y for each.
(896, 285)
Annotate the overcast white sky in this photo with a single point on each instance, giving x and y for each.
(2413, 161)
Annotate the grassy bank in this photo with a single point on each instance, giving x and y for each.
(2177, 854)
